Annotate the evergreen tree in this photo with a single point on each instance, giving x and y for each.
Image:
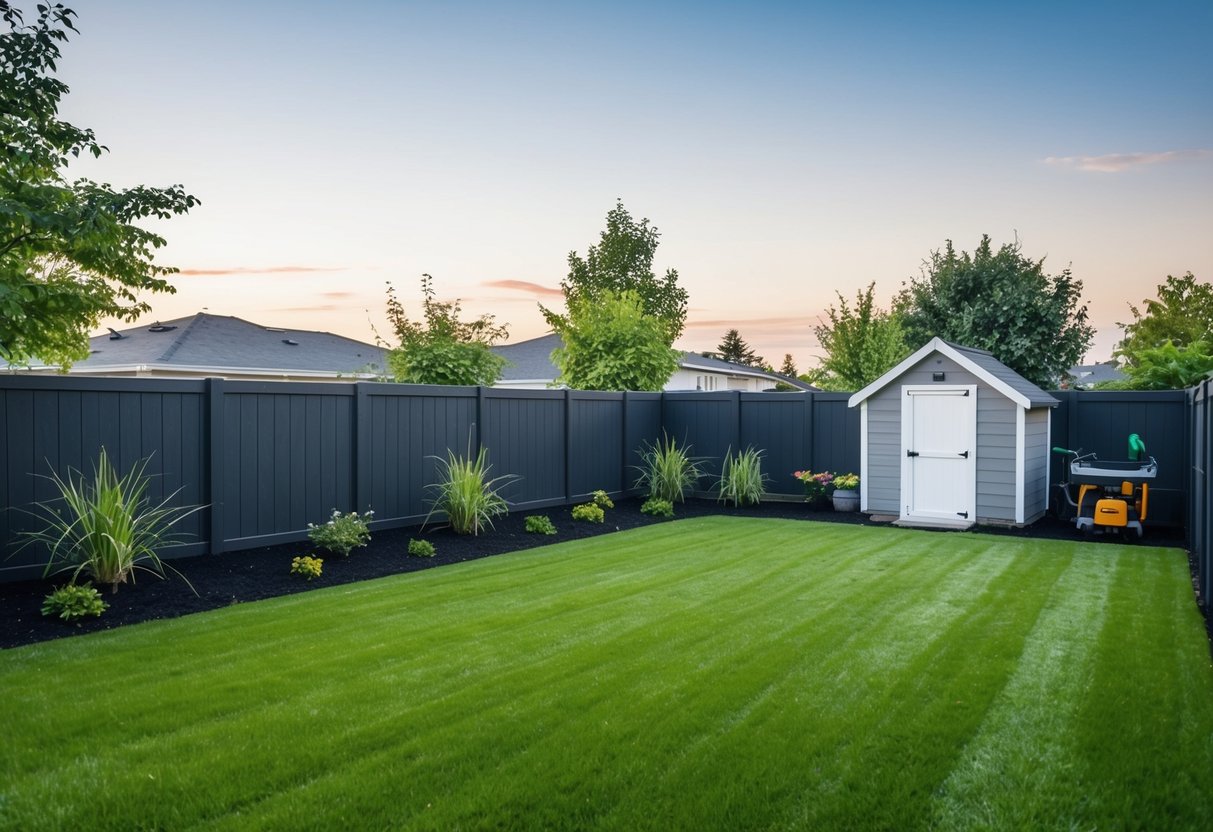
(736, 350)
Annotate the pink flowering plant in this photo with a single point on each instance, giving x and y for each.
(817, 486)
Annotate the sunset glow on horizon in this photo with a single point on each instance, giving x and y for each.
(786, 151)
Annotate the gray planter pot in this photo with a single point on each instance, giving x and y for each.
(846, 500)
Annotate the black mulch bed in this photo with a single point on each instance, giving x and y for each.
(238, 577)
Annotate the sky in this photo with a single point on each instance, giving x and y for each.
(786, 151)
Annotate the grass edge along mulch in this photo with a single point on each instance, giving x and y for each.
(713, 673)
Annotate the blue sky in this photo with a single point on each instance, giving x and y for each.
(786, 151)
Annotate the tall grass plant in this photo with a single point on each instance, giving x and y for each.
(108, 527)
(742, 481)
(669, 471)
(466, 494)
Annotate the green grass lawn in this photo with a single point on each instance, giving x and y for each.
(718, 673)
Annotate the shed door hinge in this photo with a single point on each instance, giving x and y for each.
(965, 454)
(963, 514)
(911, 453)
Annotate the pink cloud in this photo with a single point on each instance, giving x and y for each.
(1119, 162)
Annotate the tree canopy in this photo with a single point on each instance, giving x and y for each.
(788, 368)
(1182, 314)
(610, 343)
(70, 252)
(1003, 302)
(443, 349)
(623, 262)
(860, 343)
(1168, 367)
(734, 348)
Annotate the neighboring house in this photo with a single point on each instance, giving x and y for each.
(531, 368)
(206, 345)
(1083, 376)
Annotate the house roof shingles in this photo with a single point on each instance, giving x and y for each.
(220, 341)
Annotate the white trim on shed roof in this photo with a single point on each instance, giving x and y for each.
(937, 344)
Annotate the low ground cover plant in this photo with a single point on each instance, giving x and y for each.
(73, 602)
(602, 499)
(657, 507)
(466, 494)
(421, 548)
(343, 532)
(669, 471)
(307, 566)
(108, 527)
(742, 481)
(589, 513)
(540, 524)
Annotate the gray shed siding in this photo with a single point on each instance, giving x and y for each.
(1036, 463)
(995, 442)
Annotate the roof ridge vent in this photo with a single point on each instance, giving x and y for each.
(159, 327)
(115, 335)
(289, 342)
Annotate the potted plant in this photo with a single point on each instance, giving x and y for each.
(846, 492)
(817, 487)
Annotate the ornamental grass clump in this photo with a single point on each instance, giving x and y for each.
(108, 527)
(343, 532)
(466, 494)
(668, 471)
(742, 481)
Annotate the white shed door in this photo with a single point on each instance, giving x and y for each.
(939, 469)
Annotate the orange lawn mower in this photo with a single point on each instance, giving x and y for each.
(1113, 495)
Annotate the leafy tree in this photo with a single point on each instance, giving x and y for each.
(622, 262)
(70, 253)
(1182, 314)
(1003, 302)
(1168, 367)
(788, 368)
(610, 343)
(861, 344)
(733, 348)
(443, 349)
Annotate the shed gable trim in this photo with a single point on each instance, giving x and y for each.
(939, 345)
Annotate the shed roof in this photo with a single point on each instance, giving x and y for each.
(980, 363)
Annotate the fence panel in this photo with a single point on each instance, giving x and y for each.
(407, 430)
(709, 423)
(641, 429)
(595, 448)
(288, 460)
(48, 426)
(778, 425)
(835, 433)
(524, 431)
(1200, 500)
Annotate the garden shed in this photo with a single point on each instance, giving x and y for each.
(950, 437)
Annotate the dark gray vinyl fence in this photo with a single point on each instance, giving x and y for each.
(1200, 499)
(267, 458)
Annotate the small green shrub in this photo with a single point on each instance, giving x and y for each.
(742, 481)
(107, 527)
(342, 533)
(71, 602)
(846, 482)
(466, 495)
(657, 507)
(421, 548)
(668, 471)
(307, 566)
(589, 513)
(601, 499)
(540, 524)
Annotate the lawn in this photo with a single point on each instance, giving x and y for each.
(715, 673)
